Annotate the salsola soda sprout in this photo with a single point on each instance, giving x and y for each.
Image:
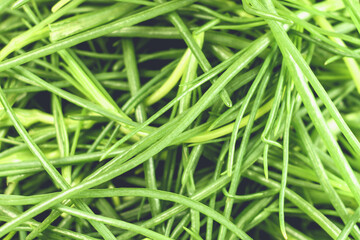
(182, 119)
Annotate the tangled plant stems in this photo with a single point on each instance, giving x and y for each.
(181, 119)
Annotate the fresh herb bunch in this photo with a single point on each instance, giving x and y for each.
(181, 119)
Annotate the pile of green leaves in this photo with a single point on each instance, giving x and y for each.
(181, 119)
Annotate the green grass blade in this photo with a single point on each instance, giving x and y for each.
(49, 168)
(73, 25)
(61, 135)
(257, 47)
(235, 181)
(320, 171)
(112, 222)
(300, 71)
(353, 7)
(350, 225)
(301, 203)
(134, 84)
(284, 174)
(96, 32)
